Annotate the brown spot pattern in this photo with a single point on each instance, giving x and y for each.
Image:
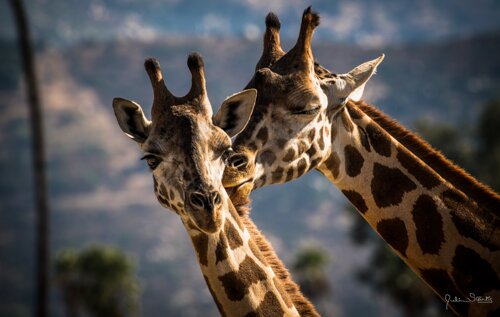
(472, 221)
(268, 157)
(356, 199)
(216, 300)
(353, 161)
(363, 138)
(422, 173)
(277, 174)
(200, 243)
(269, 307)
(429, 224)
(389, 185)
(333, 164)
(221, 248)
(289, 174)
(263, 135)
(394, 232)
(441, 281)
(236, 284)
(233, 236)
(311, 134)
(346, 122)
(290, 155)
(301, 166)
(379, 140)
(354, 113)
(473, 274)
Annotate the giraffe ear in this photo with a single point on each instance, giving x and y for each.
(235, 111)
(351, 86)
(131, 119)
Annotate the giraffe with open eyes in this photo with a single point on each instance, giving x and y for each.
(185, 148)
(443, 223)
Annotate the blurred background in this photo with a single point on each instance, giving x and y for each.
(441, 78)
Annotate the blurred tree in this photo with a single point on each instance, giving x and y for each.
(310, 270)
(99, 279)
(38, 153)
(481, 157)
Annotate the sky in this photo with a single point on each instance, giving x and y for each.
(364, 22)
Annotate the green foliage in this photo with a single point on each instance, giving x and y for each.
(310, 268)
(99, 279)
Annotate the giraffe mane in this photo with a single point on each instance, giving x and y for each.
(458, 177)
(303, 305)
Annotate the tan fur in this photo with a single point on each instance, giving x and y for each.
(303, 305)
(481, 193)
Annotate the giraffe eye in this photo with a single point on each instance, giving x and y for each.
(226, 154)
(152, 160)
(308, 111)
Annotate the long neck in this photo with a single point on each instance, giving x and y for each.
(447, 236)
(303, 305)
(238, 276)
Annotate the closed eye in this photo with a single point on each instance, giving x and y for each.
(309, 111)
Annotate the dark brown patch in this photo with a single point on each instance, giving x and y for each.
(163, 201)
(355, 113)
(163, 191)
(485, 197)
(236, 284)
(269, 307)
(394, 232)
(233, 236)
(353, 161)
(389, 185)
(216, 300)
(267, 157)
(252, 146)
(312, 151)
(312, 134)
(379, 139)
(301, 167)
(302, 147)
(472, 221)
(356, 199)
(171, 194)
(289, 174)
(363, 138)
(277, 174)
(421, 172)
(200, 243)
(222, 248)
(473, 274)
(314, 163)
(155, 185)
(334, 134)
(346, 121)
(263, 135)
(282, 142)
(442, 283)
(321, 141)
(282, 292)
(333, 164)
(290, 155)
(429, 224)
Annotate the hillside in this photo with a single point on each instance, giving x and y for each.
(101, 192)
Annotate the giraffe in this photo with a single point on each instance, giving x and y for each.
(185, 149)
(443, 223)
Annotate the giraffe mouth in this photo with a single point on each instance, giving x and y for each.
(241, 191)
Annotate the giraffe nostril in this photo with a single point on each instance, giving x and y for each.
(197, 200)
(216, 198)
(238, 161)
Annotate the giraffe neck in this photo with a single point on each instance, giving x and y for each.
(238, 276)
(303, 305)
(443, 234)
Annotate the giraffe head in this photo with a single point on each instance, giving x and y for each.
(290, 129)
(184, 146)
